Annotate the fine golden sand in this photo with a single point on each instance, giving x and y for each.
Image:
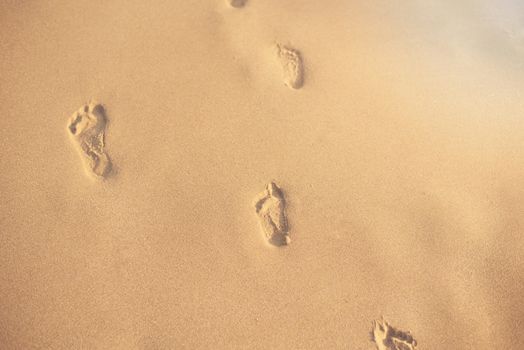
(261, 174)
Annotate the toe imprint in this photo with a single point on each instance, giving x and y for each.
(388, 338)
(292, 66)
(87, 127)
(270, 207)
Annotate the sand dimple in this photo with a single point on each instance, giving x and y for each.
(236, 3)
(87, 126)
(388, 338)
(270, 206)
(292, 66)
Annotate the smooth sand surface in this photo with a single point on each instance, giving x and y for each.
(400, 155)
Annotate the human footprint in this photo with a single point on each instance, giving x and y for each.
(388, 338)
(270, 206)
(236, 3)
(87, 127)
(292, 66)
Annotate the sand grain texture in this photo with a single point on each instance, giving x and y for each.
(400, 153)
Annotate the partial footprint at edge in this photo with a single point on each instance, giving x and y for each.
(292, 66)
(388, 338)
(236, 3)
(270, 206)
(87, 127)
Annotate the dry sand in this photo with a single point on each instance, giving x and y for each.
(395, 130)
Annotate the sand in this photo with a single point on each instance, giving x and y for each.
(394, 131)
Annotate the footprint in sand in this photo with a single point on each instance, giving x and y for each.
(87, 127)
(236, 3)
(292, 66)
(270, 206)
(389, 338)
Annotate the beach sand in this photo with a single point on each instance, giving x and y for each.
(393, 130)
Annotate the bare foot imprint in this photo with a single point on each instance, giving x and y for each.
(87, 126)
(388, 338)
(292, 66)
(270, 206)
(236, 3)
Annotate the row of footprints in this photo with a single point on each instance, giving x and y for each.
(88, 124)
(290, 59)
(87, 127)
